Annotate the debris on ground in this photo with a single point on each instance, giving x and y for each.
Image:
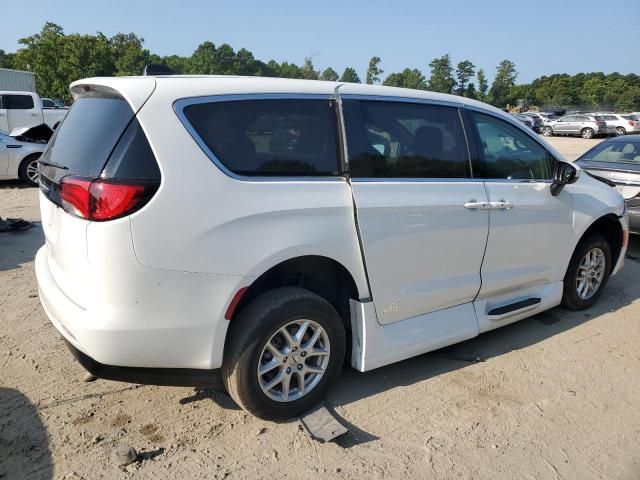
(322, 425)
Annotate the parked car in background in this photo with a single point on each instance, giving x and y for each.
(25, 109)
(586, 126)
(19, 153)
(399, 244)
(528, 121)
(544, 117)
(618, 159)
(621, 124)
(53, 103)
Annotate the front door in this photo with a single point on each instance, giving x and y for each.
(530, 229)
(423, 220)
(4, 156)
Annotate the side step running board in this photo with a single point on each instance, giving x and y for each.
(496, 312)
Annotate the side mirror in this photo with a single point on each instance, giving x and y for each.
(563, 174)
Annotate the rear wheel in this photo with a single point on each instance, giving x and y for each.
(547, 131)
(587, 133)
(28, 171)
(621, 131)
(285, 350)
(588, 273)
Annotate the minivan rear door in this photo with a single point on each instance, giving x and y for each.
(423, 220)
(80, 147)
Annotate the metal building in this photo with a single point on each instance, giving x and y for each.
(17, 80)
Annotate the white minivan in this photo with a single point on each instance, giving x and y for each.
(271, 228)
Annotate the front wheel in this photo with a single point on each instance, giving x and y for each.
(587, 274)
(285, 350)
(587, 133)
(28, 171)
(547, 132)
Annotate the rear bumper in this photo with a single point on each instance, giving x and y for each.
(178, 377)
(143, 318)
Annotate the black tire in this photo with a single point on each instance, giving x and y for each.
(620, 131)
(570, 297)
(24, 165)
(587, 133)
(250, 331)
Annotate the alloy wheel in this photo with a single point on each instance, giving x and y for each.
(32, 171)
(293, 360)
(590, 273)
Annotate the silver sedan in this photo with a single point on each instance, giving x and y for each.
(19, 156)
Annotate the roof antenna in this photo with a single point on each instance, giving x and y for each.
(157, 69)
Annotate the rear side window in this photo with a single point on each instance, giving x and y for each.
(405, 140)
(269, 137)
(17, 102)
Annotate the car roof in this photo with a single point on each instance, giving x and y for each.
(183, 86)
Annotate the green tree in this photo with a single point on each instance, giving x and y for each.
(374, 71)
(407, 79)
(308, 70)
(441, 75)
(330, 75)
(506, 75)
(470, 91)
(350, 76)
(483, 86)
(129, 56)
(464, 73)
(202, 60)
(6, 59)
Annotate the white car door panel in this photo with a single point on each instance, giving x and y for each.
(422, 247)
(530, 229)
(410, 172)
(4, 157)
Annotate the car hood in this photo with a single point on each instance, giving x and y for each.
(35, 134)
(609, 167)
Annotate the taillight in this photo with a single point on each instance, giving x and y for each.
(100, 199)
(632, 123)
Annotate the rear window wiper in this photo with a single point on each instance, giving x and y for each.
(51, 164)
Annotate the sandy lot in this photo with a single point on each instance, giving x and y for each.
(554, 397)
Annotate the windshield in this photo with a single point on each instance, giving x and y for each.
(614, 152)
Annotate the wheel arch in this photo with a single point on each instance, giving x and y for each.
(319, 274)
(608, 226)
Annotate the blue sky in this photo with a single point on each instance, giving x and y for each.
(540, 37)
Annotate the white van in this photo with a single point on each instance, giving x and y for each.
(269, 228)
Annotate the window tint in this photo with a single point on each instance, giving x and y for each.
(46, 103)
(508, 152)
(270, 137)
(84, 140)
(405, 140)
(17, 102)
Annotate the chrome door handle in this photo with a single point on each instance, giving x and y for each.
(473, 204)
(501, 205)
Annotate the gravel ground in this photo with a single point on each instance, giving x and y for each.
(555, 396)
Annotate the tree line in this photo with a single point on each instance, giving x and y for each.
(58, 59)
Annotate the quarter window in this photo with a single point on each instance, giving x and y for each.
(508, 152)
(270, 137)
(405, 140)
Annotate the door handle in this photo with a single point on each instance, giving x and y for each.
(501, 205)
(473, 204)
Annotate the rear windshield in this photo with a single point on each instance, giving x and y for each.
(84, 140)
(269, 137)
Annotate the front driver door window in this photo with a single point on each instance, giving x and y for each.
(530, 229)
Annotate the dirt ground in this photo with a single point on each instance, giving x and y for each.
(556, 396)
